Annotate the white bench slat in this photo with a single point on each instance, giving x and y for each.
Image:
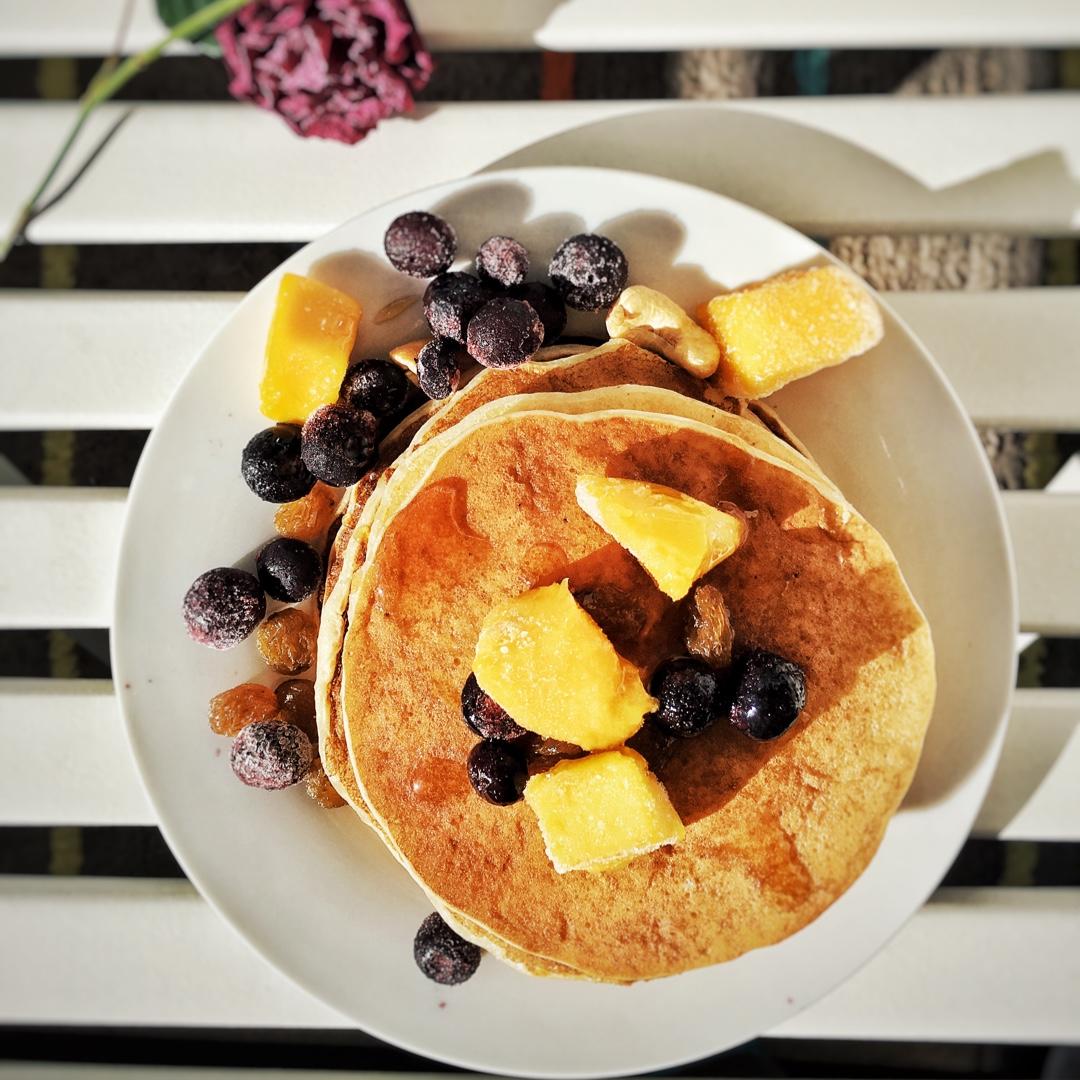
(81, 359)
(1043, 527)
(973, 965)
(1013, 355)
(1034, 794)
(960, 971)
(58, 551)
(67, 27)
(170, 174)
(113, 358)
(71, 730)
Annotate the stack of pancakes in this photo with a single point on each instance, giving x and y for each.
(476, 505)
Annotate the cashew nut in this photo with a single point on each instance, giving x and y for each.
(654, 321)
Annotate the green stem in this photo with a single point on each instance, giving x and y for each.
(103, 87)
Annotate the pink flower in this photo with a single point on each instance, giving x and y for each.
(331, 68)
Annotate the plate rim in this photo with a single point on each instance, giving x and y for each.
(428, 195)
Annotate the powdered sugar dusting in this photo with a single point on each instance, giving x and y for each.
(270, 754)
(223, 606)
(420, 244)
(503, 259)
(589, 271)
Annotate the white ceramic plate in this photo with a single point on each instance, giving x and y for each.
(886, 427)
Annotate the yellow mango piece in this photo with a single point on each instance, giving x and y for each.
(311, 336)
(789, 326)
(676, 538)
(599, 812)
(545, 661)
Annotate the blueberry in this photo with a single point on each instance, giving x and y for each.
(442, 955)
(420, 244)
(340, 444)
(589, 271)
(691, 696)
(451, 300)
(503, 259)
(376, 386)
(288, 570)
(485, 715)
(770, 692)
(223, 607)
(504, 333)
(271, 465)
(271, 754)
(547, 303)
(437, 368)
(497, 771)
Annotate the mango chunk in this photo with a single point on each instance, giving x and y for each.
(789, 326)
(545, 661)
(311, 336)
(676, 538)
(599, 812)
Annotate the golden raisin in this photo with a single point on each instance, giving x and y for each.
(320, 789)
(296, 700)
(308, 518)
(234, 709)
(709, 633)
(405, 355)
(286, 641)
(542, 754)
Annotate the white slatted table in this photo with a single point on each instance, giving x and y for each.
(976, 964)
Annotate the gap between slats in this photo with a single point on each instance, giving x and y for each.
(227, 172)
(66, 27)
(24, 1070)
(973, 965)
(59, 546)
(71, 731)
(113, 359)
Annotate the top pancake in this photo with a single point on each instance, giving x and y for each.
(617, 363)
(617, 360)
(775, 831)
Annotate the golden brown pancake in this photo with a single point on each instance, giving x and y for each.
(775, 832)
(361, 516)
(617, 363)
(620, 359)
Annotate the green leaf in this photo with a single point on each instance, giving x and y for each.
(173, 11)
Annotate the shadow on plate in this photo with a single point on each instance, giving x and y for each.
(801, 174)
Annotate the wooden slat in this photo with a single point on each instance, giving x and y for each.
(58, 548)
(82, 359)
(71, 730)
(113, 358)
(62, 27)
(1012, 355)
(973, 965)
(228, 172)
(1044, 527)
(1034, 794)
